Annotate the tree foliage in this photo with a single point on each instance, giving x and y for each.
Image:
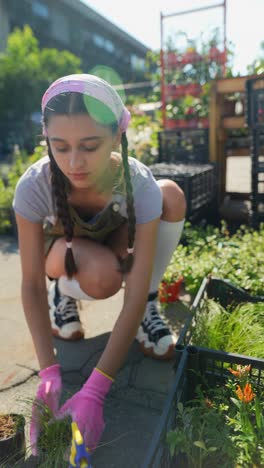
(26, 71)
(257, 66)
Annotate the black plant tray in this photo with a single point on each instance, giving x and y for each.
(222, 290)
(213, 366)
(198, 182)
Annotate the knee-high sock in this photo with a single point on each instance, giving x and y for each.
(71, 288)
(168, 238)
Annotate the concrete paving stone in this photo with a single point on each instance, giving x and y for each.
(134, 355)
(122, 379)
(76, 378)
(15, 376)
(151, 374)
(147, 398)
(75, 355)
(129, 429)
(16, 343)
(98, 317)
(177, 313)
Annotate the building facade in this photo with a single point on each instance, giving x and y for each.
(72, 25)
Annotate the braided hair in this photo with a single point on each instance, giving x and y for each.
(59, 191)
(127, 263)
(71, 103)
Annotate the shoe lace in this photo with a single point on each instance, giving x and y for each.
(152, 319)
(67, 307)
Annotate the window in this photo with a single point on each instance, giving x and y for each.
(106, 44)
(40, 9)
(60, 26)
(137, 63)
(109, 46)
(98, 40)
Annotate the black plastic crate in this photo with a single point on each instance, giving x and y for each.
(222, 290)
(255, 121)
(213, 366)
(255, 102)
(198, 182)
(183, 145)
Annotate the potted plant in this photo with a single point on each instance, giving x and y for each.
(12, 438)
(169, 290)
(173, 59)
(191, 56)
(175, 115)
(190, 112)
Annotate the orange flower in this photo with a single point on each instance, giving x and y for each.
(241, 371)
(208, 403)
(246, 394)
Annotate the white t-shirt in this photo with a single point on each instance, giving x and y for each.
(33, 198)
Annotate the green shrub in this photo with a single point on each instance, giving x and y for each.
(210, 250)
(8, 181)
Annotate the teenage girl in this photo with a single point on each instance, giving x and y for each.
(91, 218)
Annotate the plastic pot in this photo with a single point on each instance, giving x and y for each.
(13, 447)
(170, 292)
(171, 124)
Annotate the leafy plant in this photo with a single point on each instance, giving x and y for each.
(143, 137)
(257, 66)
(54, 440)
(239, 330)
(211, 250)
(9, 179)
(171, 275)
(223, 426)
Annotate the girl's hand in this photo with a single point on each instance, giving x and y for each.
(86, 408)
(48, 393)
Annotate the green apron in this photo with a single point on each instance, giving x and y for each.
(107, 221)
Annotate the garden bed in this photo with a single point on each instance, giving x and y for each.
(208, 250)
(198, 366)
(211, 320)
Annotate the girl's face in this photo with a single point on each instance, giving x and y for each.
(81, 148)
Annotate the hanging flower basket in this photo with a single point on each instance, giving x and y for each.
(176, 91)
(191, 56)
(170, 291)
(174, 124)
(170, 124)
(181, 123)
(215, 55)
(203, 122)
(173, 60)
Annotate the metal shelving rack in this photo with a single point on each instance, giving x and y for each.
(162, 51)
(255, 121)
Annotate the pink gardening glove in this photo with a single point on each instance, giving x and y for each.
(86, 407)
(48, 392)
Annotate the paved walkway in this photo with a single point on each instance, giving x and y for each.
(136, 399)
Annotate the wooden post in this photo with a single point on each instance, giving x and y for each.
(217, 139)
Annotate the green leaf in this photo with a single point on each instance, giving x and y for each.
(236, 402)
(200, 444)
(180, 407)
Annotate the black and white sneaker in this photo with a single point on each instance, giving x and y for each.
(154, 337)
(64, 317)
